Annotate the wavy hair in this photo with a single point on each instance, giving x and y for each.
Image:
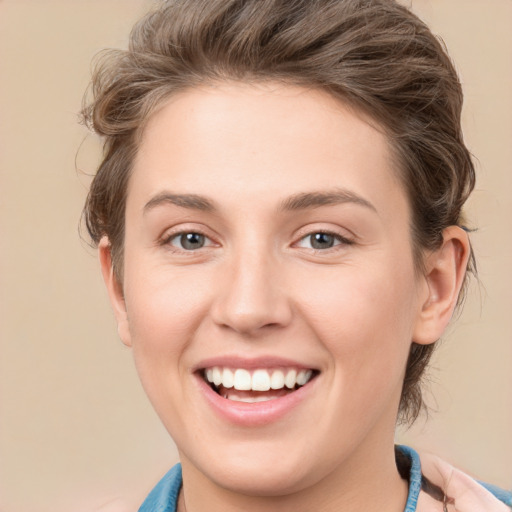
(374, 55)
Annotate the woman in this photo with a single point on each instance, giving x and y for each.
(279, 220)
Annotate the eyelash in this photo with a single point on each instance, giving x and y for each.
(167, 240)
(338, 240)
(341, 240)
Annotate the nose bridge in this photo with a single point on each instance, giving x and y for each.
(252, 295)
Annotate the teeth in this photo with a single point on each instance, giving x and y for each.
(290, 379)
(217, 376)
(277, 380)
(260, 379)
(242, 381)
(228, 378)
(249, 399)
(303, 376)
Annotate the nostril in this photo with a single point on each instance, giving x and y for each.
(251, 322)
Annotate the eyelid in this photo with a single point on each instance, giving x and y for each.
(169, 234)
(173, 232)
(339, 240)
(345, 237)
(176, 236)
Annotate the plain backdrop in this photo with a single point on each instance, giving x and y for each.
(76, 430)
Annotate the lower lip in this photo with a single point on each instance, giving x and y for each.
(257, 413)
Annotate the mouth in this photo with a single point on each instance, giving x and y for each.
(258, 385)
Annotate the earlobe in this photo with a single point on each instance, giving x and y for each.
(445, 271)
(115, 291)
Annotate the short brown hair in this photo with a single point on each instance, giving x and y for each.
(372, 54)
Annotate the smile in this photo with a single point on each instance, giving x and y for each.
(258, 385)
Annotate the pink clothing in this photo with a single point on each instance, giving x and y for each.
(465, 494)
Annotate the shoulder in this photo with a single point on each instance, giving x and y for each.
(466, 493)
(164, 497)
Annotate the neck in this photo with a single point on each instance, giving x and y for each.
(368, 480)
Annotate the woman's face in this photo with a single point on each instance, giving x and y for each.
(268, 246)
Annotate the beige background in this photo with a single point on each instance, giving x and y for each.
(75, 427)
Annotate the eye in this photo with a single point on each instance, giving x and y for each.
(322, 240)
(189, 241)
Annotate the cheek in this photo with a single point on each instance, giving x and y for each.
(365, 319)
(164, 309)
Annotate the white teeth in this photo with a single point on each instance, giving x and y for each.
(303, 376)
(249, 399)
(242, 381)
(260, 379)
(290, 379)
(277, 380)
(217, 376)
(228, 378)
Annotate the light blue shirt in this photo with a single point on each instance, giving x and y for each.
(164, 497)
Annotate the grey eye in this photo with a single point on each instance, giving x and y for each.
(189, 241)
(322, 240)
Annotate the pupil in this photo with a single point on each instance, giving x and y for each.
(322, 241)
(191, 241)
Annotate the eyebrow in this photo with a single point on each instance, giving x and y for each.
(191, 201)
(300, 201)
(306, 200)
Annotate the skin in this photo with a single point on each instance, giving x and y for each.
(258, 288)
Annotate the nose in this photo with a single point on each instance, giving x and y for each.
(251, 297)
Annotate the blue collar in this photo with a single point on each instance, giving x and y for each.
(414, 478)
(164, 497)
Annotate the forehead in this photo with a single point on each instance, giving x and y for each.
(266, 140)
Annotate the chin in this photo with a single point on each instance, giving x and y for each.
(258, 470)
(261, 480)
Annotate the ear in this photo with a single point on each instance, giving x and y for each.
(115, 291)
(445, 271)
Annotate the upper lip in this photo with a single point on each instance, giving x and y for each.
(235, 361)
